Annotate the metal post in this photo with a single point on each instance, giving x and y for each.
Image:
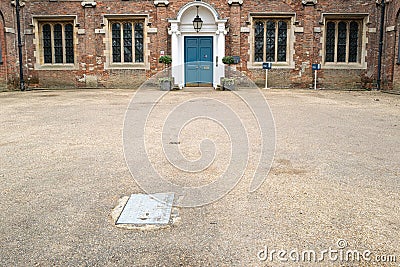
(21, 70)
(378, 80)
(266, 79)
(315, 79)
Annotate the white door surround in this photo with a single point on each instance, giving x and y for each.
(183, 26)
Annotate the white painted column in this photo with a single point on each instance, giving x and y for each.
(176, 53)
(220, 53)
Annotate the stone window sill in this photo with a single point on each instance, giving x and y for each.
(56, 67)
(275, 65)
(130, 66)
(344, 66)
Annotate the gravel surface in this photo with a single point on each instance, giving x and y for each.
(335, 177)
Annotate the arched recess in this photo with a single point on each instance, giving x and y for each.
(396, 69)
(3, 54)
(182, 27)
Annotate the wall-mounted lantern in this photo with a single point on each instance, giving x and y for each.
(197, 22)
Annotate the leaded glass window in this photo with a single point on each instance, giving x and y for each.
(259, 42)
(47, 46)
(282, 40)
(353, 42)
(116, 42)
(330, 42)
(139, 42)
(127, 42)
(57, 43)
(69, 43)
(270, 40)
(342, 41)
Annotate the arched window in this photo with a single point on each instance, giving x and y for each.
(57, 44)
(330, 42)
(127, 41)
(259, 42)
(353, 42)
(139, 42)
(282, 40)
(271, 40)
(47, 46)
(116, 42)
(342, 41)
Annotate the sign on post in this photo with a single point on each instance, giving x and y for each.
(315, 68)
(266, 66)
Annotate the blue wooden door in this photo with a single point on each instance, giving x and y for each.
(198, 61)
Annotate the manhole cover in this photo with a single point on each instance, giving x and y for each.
(142, 209)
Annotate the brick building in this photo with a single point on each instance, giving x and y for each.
(117, 43)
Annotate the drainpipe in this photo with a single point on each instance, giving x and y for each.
(21, 71)
(378, 80)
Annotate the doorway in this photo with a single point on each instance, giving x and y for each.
(198, 61)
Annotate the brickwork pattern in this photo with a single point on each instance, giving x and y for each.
(391, 68)
(91, 46)
(3, 56)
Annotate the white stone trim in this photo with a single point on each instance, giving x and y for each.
(289, 64)
(364, 40)
(390, 28)
(158, 3)
(178, 31)
(88, 3)
(39, 64)
(107, 41)
(9, 30)
(309, 2)
(235, 2)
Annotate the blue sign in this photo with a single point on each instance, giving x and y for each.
(267, 65)
(236, 59)
(316, 66)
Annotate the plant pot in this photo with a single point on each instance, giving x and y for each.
(228, 84)
(165, 85)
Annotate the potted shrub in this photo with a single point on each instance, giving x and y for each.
(227, 82)
(165, 82)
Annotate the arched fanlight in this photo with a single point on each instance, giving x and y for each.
(197, 22)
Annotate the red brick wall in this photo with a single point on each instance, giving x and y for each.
(391, 70)
(3, 56)
(90, 50)
(396, 65)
